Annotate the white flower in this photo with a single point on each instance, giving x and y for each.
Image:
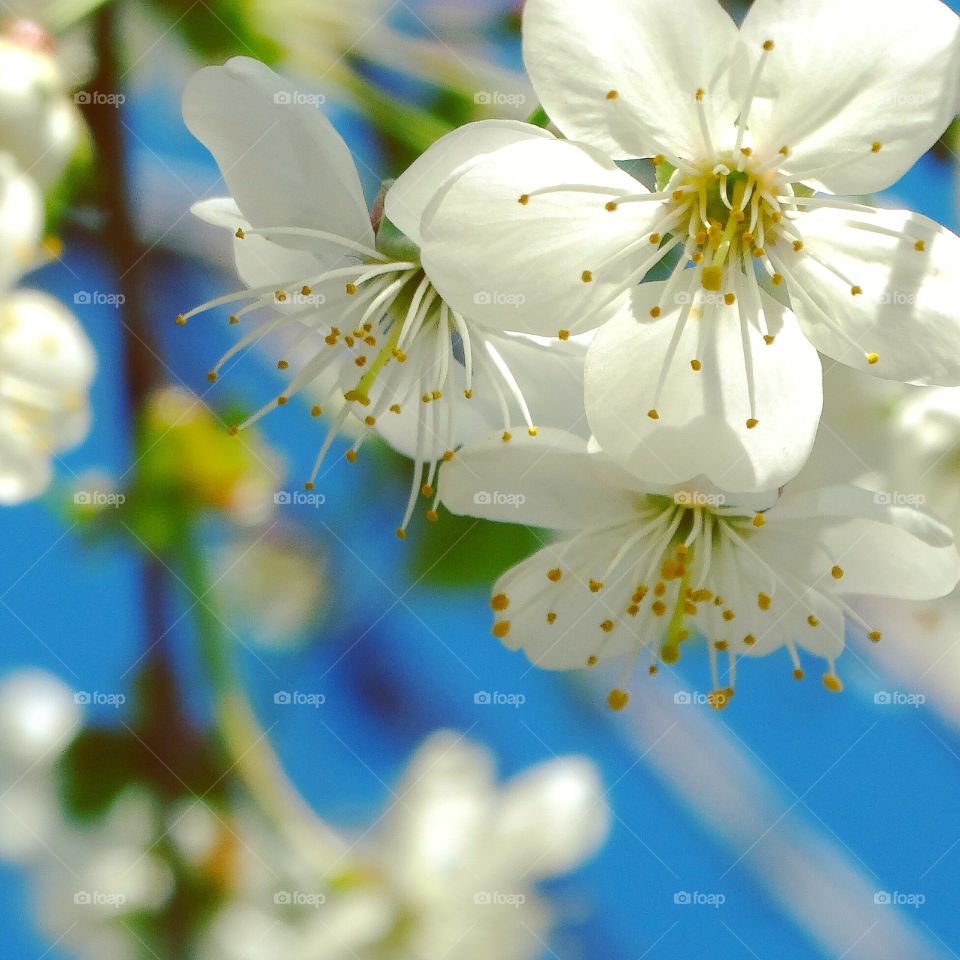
(39, 122)
(451, 868)
(833, 96)
(651, 570)
(46, 366)
(425, 376)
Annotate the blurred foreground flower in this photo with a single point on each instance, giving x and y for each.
(127, 855)
(451, 872)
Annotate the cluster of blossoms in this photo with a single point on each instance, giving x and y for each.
(496, 319)
(46, 361)
(452, 865)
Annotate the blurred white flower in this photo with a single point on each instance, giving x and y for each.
(21, 221)
(451, 870)
(46, 367)
(40, 124)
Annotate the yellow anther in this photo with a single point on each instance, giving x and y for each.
(759, 252)
(813, 621)
(729, 299)
(776, 279)
(532, 431)
(768, 45)
(836, 572)
(239, 234)
(660, 589)
(655, 238)
(351, 456)
(232, 320)
(718, 699)
(401, 533)
(524, 199)
(360, 361)
(282, 364)
(501, 628)
(370, 422)
(395, 408)
(763, 601)
(720, 645)
(181, 320)
(856, 291)
(746, 151)
(555, 574)
(281, 401)
(506, 436)
(351, 289)
(768, 340)
(427, 490)
(700, 94)
(659, 159)
(468, 394)
(711, 278)
(595, 586)
(695, 365)
(212, 376)
(436, 394)
(654, 312)
(607, 626)
(653, 415)
(280, 296)
(728, 615)
(874, 635)
(784, 151)
(876, 146)
(591, 661)
(751, 423)
(617, 699)
(563, 334)
(919, 246)
(797, 674)
(652, 669)
(669, 654)
(873, 358)
(234, 431)
(500, 601)
(749, 639)
(832, 682)
(305, 291)
(551, 617)
(611, 205)
(659, 608)
(586, 276)
(432, 516)
(797, 245)
(315, 411)
(612, 94)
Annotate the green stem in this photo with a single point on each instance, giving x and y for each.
(244, 738)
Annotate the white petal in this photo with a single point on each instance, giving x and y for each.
(907, 313)
(408, 197)
(282, 160)
(703, 414)
(545, 481)
(654, 54)
(565, 623)
(551, 818)
(25, 470)
(883, 549)
(21, 222)
(846, 74)
(483, 247)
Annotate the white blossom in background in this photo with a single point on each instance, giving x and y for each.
(451, 870)
(46, 367)
(40, 125)
(647, 571)
(355, 294)
(755, 133)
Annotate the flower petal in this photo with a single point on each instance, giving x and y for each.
(409, 195)
(555, 257)
(701, 425)
(549, 605)
(550, 819)
(881, 548)
(545, 481)
(622, 74)
(283, 162)
(846, 76)
(905, 266)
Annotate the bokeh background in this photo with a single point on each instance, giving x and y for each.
(799, 806)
